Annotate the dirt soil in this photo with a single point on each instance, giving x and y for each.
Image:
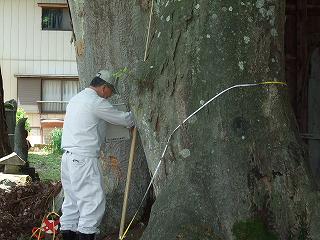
(23, 208)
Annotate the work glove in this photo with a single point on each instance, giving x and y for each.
(131, 120)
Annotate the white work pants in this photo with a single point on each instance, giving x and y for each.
(84, 196)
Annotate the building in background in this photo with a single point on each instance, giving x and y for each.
(38, 61)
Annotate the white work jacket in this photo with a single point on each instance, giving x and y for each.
(85, 123)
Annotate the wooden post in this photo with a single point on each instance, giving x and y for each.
(302, 65)
(126, 192)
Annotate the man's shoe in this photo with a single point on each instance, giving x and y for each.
(69, 235)
(83, 236)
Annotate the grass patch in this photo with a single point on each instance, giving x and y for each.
(47, 165)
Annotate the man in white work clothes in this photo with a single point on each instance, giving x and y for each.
(81, 176)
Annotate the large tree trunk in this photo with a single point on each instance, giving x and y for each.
(238, 167)
(4, 139)
(91, 37)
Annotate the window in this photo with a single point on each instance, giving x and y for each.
(29, 92)
(56, 19)
(56, 94)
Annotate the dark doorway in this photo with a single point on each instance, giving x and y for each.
(302, 51)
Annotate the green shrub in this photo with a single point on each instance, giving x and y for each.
(56, 135)
(22, 114)
(47, 148)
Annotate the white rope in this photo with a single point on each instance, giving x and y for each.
(148, 34)
(185, 120)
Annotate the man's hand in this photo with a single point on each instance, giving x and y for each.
(132, 120)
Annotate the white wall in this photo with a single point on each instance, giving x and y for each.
(26, 49)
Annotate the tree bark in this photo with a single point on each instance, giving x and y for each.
(238, 167)
(4, 139)
(91, 39)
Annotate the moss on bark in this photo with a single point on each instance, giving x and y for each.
(253, 229)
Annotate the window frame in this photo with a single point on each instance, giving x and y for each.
(61, 81)
(57, 6)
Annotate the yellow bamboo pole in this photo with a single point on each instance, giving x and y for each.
(126, 191)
